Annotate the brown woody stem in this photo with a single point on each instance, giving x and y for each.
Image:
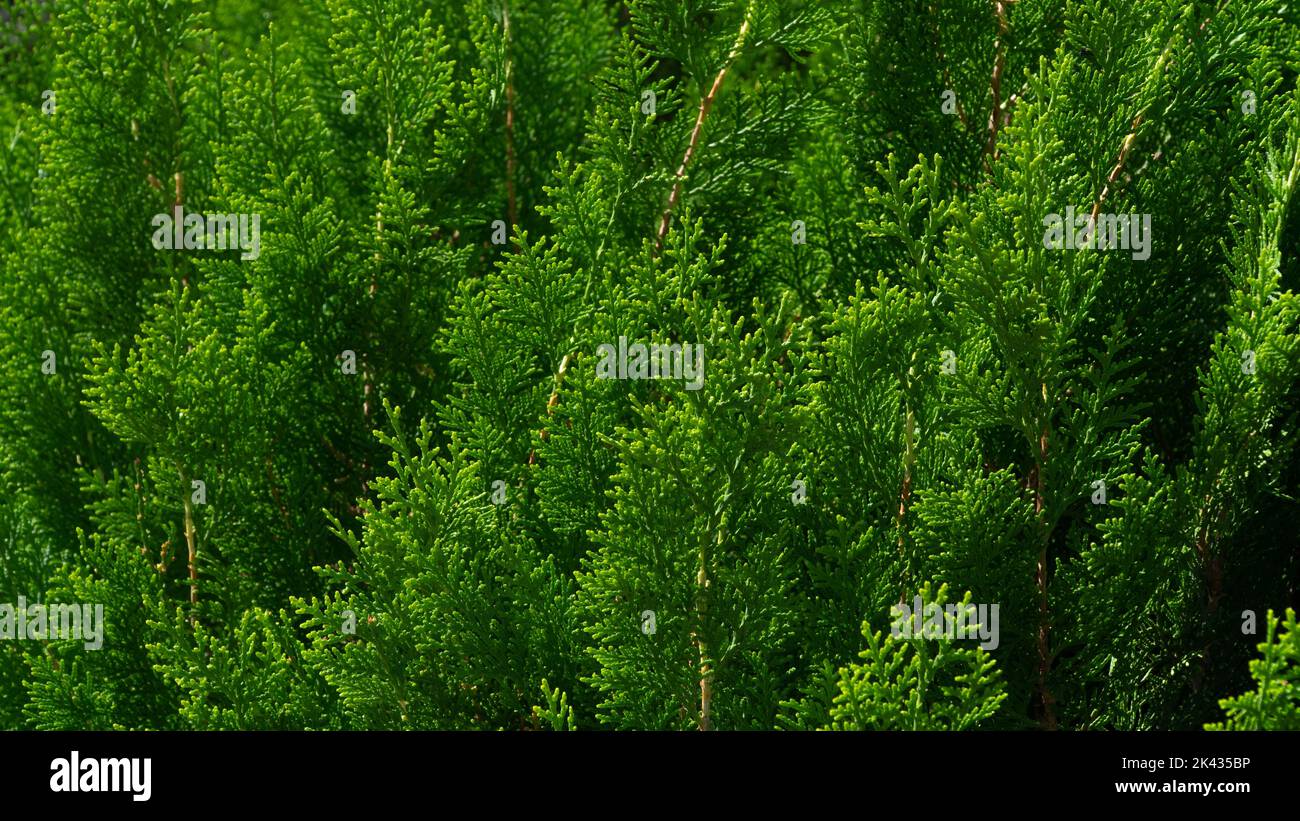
(706, 105)
(511, 211)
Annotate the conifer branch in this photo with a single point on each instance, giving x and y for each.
(1116, 170)
(511, 212)
(706, 105)
(702, 583)
(368, 376)
(1046, 701)
(177, 203)
(191, 545)
(909, 460)
(943, 61)
(996, 114)
(552, 402)
(1126, 146)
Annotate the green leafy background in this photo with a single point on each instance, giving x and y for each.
(917, 399)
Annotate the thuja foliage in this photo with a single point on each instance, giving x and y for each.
(983, 303)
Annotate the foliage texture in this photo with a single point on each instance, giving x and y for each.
(372, 475)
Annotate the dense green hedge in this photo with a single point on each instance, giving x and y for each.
(572, 364)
